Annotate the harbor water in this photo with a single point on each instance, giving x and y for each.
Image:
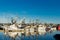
(47, 36)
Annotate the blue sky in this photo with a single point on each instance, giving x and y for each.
(46, 10)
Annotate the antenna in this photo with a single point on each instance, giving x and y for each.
(22, 20)
(37, 21)
(13, 20)
(30, 21)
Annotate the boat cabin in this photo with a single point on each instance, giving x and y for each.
(58, 27)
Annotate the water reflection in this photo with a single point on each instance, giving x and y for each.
(47, 36)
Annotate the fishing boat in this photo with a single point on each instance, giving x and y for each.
(32, 30)
(27, 30)
(41, 29)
